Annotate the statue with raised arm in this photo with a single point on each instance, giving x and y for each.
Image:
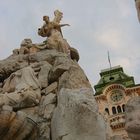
(137, 2)
(49, 26)
(52, 30)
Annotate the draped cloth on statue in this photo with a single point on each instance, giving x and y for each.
(22, 79)
(56, 41)
(21, 89)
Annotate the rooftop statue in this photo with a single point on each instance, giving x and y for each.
(138, 8)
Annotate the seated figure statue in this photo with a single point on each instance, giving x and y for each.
(52, 30)
(21, 89)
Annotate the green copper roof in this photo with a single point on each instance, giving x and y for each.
(113, 75)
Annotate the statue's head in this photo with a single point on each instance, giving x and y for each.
(46, 19)
(132, 114)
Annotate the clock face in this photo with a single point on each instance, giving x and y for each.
(116, 95)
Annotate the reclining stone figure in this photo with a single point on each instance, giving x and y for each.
(21, 89)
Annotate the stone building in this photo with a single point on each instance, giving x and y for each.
(112, 92)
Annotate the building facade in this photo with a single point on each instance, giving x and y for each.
(112, 92)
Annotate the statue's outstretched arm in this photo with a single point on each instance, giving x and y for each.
(62, 25)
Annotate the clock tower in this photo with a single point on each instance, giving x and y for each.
(112, 92)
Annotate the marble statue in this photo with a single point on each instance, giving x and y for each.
(52, 30)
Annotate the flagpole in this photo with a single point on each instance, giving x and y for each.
(109, 62)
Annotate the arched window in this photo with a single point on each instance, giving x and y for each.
(123, 108)
(114, 110)
(106, 110)
(119, 109)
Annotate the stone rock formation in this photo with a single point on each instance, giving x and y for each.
(133, 118)
(44, 93)
(117, 137)
(76, 116)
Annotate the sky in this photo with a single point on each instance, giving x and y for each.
(96, 27)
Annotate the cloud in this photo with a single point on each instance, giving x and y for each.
(111, 38)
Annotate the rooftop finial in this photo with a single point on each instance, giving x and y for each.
(109, 65)
(109, 59)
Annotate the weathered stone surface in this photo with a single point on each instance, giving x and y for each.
(50, 99)
(43, 75)
(45, 133)
(51, 88)
(1, 85)
(16, 126)
(12, 64)
(15, 51)
(25, 46)
(74, 78)
(133, 118)
(16, 62)
(76, 116)
(46, 108)
(61, 64)
(48, 112)
(74, 54)
(27, 42)
(45, 55)
(117, 137)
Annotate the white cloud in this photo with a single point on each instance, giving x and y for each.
(111, 38)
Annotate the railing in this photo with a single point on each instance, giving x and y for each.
(117, 121)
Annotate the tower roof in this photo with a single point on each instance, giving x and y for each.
(111, 76)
